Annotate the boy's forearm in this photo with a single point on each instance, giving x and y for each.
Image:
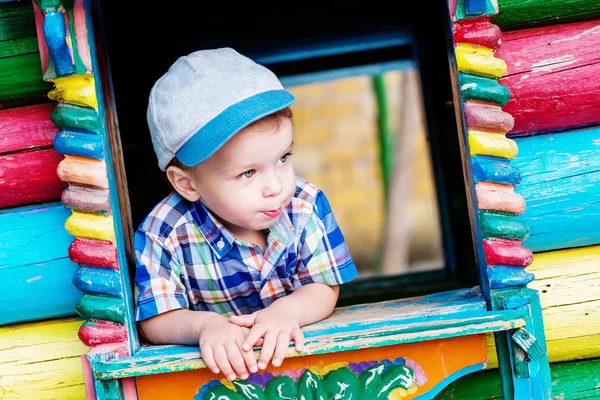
(310, 303)
(177, 326)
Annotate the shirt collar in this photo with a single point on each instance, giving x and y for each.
(221, 240)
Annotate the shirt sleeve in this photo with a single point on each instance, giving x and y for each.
(324, 256)
(158, 283)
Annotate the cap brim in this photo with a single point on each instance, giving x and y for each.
(212, 136)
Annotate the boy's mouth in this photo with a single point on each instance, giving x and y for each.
(272, 213)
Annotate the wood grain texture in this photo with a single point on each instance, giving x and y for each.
(552, 76)
(41, 361)
(519, 14)
(27, 128)
(561, 185)
(29, 177)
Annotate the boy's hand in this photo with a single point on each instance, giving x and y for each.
(276, 326)
(221, 348)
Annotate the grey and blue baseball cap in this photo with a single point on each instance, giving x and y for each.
(204, 99)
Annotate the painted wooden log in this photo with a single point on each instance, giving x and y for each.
(506, 252)
(552, 76)
(480, 60)
(491, 144)
(56, 40)
(41, 360)
(101, 307)
(79, 143)
(75, 117)
(519, 14)
(85, 171)
(29, 177)
(26, 128)
(75, 89)
(474, 87)
(98, 281)
(91, 226)
(94, 253)
(495, 197)
(100, 332)
(561, 184)
(507, 276)
(86, 199)
(473, 8)
(495, 170)
(487, 116)
(477, 31)
(502, 225)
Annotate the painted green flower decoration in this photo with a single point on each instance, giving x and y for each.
(373, 381)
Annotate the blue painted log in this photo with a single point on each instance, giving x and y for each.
(79, 143)
(55, 35)
(494, 169)
(98, 281)
(34, 265)
(561, 186)
(503, 276)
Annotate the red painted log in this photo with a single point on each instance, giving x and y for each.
(100, 332)
(29, 177)
(26, 128)
(477, 31)
(506, 252)
(552, 76)
(95, 253)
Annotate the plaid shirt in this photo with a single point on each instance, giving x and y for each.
(185, 258)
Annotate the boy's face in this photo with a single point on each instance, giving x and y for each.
(249, 181)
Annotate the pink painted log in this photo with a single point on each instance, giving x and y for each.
(552, 76)
(118, 350)
(85, 171)
(506, 252)
(86, 199)
(95, 253)
(25, 128)
(478, 31)
(487, 116)
(101, 332)
(29, 177)
(496, 197)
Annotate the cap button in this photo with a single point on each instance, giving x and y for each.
(220, 244)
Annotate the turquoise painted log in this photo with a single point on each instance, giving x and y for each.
(561, 186)
(98, 281)
(496, 170)
(502, 225)
(75, 117)
(79, 143)
(473, 87)
(38, 291)
(107, 308)
(507, 276)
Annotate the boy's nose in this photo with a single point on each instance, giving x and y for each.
(273, 186)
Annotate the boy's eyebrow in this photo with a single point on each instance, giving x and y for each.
(245, 167)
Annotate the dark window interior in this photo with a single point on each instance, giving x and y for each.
(144, 40)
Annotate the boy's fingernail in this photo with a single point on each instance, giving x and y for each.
(244, 376)
(276, 362)
(231, 377)
(261, 365)
(246, 347)
(216, 370)
(253, 368)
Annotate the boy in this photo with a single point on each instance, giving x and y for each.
(242, 253)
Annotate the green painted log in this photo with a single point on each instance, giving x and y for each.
(473, 87)
(101, 307)
(502, 225)
(21, 80)
(572, 380)
(72, 116)
(517, 14)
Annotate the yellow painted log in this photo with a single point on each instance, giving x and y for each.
(41, 361)
(492, 144)
(568, 282)
(91, 226)
(75, 89)
(479, 60)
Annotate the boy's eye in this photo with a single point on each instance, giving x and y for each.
(284, 158)
(248, 174)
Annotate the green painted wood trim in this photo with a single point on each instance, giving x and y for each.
(16, 20)
(517, 14)
(72, 116)
(21, 80)
(571, 380)
(11, 48)
(502, 225)
(474, 87)
(101, 307)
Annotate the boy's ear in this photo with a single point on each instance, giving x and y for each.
(182, 183)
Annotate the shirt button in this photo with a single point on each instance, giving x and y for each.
(220, 244)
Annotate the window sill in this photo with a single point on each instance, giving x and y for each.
(438, 316)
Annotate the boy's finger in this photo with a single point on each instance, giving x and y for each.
(243, 320)
(208, 357)
(257, 332)
(267, 349)
(223, 362)
(250, 359)
(283, 342)
(237, 361)
(298, 337)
